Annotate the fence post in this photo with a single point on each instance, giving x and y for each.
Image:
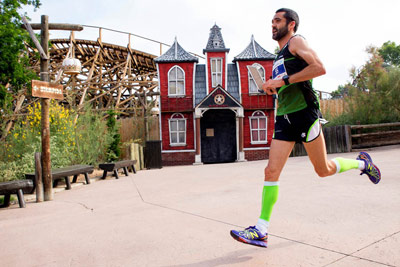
(348, 138)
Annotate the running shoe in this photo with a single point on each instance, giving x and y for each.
(251, 236)
(370, 168)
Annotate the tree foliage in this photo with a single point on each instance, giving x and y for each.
(14, 72)
(390, 52)
(374, 93)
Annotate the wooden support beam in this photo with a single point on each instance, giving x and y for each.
(59, 26)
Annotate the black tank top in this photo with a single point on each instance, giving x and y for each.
(296, 96)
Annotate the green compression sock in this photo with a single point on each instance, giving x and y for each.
(270, 196)
(343, 164)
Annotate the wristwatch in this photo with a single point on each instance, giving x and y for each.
(286, 79)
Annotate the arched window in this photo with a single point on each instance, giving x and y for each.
(176, 81)
(258, 127)
(252, 84)
(177, 130)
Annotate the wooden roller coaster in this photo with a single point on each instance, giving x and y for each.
(112, 76)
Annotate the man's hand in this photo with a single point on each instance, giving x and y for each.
(270, 86)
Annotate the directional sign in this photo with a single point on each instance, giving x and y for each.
(47, 90)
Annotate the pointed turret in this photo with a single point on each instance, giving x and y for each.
(176, 54)
(215, 41)
(254, 51)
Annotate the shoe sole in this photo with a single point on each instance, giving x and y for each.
(258, 244)
(375, 180)
(366, 157)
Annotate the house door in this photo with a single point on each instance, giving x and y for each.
(218, 136)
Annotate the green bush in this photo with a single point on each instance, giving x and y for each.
(83, 142)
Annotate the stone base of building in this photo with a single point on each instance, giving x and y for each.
(256, 154)
(178, 158)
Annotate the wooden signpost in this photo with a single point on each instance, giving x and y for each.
(46, 91)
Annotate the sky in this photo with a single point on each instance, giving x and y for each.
(338, 31)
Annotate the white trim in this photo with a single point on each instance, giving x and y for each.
(177, 131)
(226, 71)
(207, 65)
(184, 82)
(240, 84)
(194, 84)
(159, 105)
(216, 72)
(194, 132)
(237, 138)
(256, 148)
(177, 151)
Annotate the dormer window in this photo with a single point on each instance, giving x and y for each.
(258, 127)
(176, 81)
(216, 72)
(252, 85)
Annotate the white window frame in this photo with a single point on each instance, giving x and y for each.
(256, 115)
(176, 80)
(217, 73)
(252, 83)
(176, 117)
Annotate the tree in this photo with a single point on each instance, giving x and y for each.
(390, 52)
(374, 93)
(14, 72)
(342, 91)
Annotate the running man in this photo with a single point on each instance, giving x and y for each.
(298, 119)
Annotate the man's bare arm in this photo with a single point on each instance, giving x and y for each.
(299, 47)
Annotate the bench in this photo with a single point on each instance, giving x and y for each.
(18, 187)
(64, 173)
(114, 166)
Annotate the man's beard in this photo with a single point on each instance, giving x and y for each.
(280, 33)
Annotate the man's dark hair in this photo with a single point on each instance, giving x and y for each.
(290, 15)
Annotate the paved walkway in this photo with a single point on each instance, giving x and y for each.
(181, 216)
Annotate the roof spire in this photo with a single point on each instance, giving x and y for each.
(176, 47)
(254, 52)
(215, 41)
(254, 45)
(176, 54)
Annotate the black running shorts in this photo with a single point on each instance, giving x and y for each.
(300, 126)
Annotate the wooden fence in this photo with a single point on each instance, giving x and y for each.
(332, 107)
(348, 138)
(337, 139)
(375, 135)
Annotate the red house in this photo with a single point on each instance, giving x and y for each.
(213, 112)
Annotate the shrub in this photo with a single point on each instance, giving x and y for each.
(83, 142)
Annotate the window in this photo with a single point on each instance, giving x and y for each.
(252, 84)
(177, 129)
(258, 127)
(216, 71)
(176, 81)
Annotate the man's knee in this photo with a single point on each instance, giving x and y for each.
(271, 174)
(322, 172)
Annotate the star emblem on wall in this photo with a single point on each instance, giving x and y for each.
(219, 99)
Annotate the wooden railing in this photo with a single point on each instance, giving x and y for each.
(347, 138)
(375, 135)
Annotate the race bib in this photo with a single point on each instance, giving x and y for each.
(279, 70)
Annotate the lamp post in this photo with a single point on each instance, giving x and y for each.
(43, 48)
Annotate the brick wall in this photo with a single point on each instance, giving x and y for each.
(178, 158)
(251, 155)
